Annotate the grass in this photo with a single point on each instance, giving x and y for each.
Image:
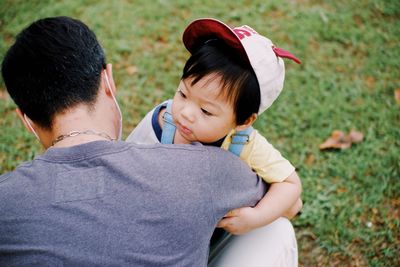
(351, 68)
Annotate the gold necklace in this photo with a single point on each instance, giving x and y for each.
(75, 133)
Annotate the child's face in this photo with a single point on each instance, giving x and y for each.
(200, 113)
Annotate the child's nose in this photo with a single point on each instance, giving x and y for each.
(188, 113)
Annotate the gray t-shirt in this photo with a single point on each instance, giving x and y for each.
(120, 204)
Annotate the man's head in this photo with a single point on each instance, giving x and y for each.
(54, 64)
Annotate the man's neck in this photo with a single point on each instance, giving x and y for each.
(77, 126)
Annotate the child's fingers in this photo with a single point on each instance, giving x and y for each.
(230, 226)
(222, 223)
(233, 213)
(226, 222)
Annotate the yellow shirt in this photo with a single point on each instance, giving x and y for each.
(263, 158)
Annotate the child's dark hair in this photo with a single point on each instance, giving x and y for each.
(240, 84)
(54, 64)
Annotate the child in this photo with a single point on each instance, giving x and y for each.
(231, 76)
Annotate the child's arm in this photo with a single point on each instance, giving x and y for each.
(283, 197)
(294, 210)
(280, 198)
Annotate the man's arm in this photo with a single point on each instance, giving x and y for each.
(283, 197)
(232, 183)
(280, 198)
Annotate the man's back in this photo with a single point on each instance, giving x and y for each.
(107, 203)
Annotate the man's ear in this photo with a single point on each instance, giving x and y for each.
(22, 118)
(247, 123)
(108, 79)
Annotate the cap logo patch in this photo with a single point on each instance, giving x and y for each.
(243, 31)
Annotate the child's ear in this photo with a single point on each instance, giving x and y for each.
(250, 120)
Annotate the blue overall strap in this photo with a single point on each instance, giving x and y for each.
(168, 132)
(239, 139)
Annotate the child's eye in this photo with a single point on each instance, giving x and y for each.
(206, 112)
(182, 94)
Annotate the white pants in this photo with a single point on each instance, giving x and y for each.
(273, 245)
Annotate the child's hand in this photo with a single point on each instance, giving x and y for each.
(240, 221)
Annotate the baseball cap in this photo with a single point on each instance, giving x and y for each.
(258, 51)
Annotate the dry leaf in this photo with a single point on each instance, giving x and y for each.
(3, 94)
(337, 140)
(131, 70)
(355, 136)
(397, 95)
(370, 81)
(162, 39)
(341, 190)
(310, 159)
(339, 69)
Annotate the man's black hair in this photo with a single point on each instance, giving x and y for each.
(54, 64)
(239, 82)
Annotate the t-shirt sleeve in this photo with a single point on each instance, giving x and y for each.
(265, 160)
(233, 184)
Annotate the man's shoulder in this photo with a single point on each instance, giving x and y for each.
(14, 186)
(195, 154)
(16, 172)
(5, 177)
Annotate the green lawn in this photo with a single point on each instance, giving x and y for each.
(351, 69)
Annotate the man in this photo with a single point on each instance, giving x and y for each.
(91, 200)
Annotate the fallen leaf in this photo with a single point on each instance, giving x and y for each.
(310, 159)
(341, 190)
(397, 95)
(131, 70)
(358, 20)
(339, 69)
(3, 94)
(355, 136)
(162, 39)
(339, 140)
(370, 81)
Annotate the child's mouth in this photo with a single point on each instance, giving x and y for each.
(183, 129)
